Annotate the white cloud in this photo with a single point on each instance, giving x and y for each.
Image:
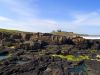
(28, 18)
(92, 18)
(43, 25)
(82, 19)
(29, 25)
(22, 7)
(4, 19)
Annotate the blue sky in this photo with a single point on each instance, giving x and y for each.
(80, 16)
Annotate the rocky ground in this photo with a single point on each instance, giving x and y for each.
(26, 53)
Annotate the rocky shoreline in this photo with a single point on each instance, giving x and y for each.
(27, 53)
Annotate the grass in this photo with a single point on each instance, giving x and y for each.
(93, 51)
(12, 31)
(6, 30)
(64, 33)
(79, 58)
(72, 57)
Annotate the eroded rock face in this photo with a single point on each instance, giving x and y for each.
(41, 65)
(36, 40)
(93, 67)
(81, 43)
(31, 54)
(31, 39)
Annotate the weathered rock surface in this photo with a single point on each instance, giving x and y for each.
(31, 54)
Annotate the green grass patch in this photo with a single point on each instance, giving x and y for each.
(12, 31)
(72, 57)
(6, 30)
(93, 51)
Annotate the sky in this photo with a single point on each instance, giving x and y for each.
(79, 16)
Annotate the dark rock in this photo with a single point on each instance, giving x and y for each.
(3, 52)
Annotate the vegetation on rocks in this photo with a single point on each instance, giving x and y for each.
(72, 57)
(47, 54)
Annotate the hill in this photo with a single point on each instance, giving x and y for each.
(7, 30)
(69, 34)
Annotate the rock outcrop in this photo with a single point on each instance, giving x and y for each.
(34, 54)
